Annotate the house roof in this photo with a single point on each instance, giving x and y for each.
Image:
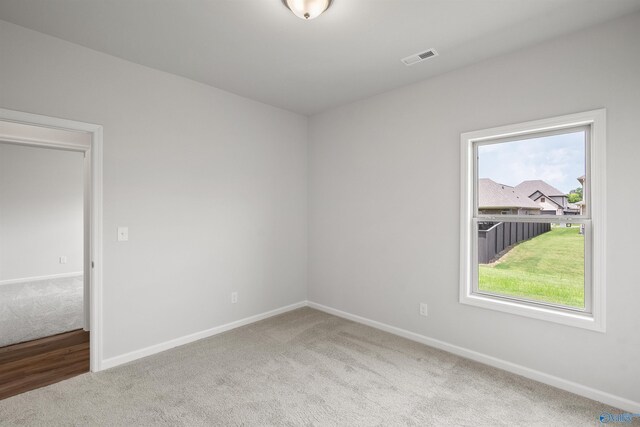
(530, 187)
(547, 198)
(494, 195)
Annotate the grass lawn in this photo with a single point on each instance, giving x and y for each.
(549, 268)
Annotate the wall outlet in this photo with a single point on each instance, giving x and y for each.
(423, 309)
(234, 297)
(63, 260)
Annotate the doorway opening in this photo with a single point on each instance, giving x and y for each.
(50, 250)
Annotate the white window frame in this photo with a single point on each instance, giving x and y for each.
(593, 316)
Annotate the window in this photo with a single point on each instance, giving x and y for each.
(518, 256)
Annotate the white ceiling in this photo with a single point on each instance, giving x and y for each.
(259, 49)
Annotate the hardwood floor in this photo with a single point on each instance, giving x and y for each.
(34, 364)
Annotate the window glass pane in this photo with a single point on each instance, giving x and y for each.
(539, 262)
(543, 175)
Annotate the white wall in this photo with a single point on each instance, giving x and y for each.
(384, 202)
(41, 211)
(211, 185)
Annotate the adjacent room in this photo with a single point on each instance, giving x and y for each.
(319, 212)
(41, 252)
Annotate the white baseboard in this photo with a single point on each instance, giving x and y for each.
(39, 278)
(157, 348)
(570, 386)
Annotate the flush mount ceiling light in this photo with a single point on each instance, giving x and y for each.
(307, 9)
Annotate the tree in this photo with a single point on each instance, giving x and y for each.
(575, 195)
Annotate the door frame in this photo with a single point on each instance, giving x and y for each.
(93, 193)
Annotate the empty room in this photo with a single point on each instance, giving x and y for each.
(319, 212)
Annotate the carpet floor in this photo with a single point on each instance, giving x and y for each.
(41, 308)
(304, 367)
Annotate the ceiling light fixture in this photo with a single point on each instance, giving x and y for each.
(307, 9)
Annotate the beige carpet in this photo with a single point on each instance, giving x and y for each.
(301, 368)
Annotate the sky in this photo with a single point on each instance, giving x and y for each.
(556, 159)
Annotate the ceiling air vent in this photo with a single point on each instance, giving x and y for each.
(419, 57)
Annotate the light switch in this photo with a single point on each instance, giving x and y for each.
(123, 234)
(63, 260)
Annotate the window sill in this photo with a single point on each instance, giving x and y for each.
(584, 321)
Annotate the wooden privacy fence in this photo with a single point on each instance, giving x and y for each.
(494, 237)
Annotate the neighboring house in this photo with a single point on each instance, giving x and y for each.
(550, 200)
(572, 209)
(501, 199)
(532, 197)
